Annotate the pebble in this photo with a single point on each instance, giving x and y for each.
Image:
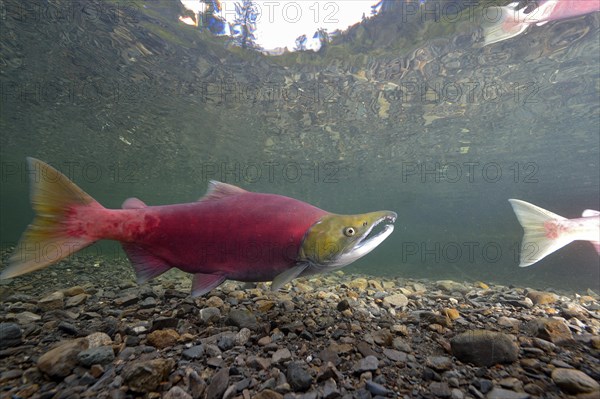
(325, 337)
(52, 301)
(177, 393)
(195, 352)
(574, 381)
(551, 329)
(499, 393)
(242, 318)
(359, 284)
(27, 317)
(218, 384)
(541, 298)
(439, 363)
(101, 355)
(146, 376)
(369, 363)
(298, 378)
(281, 356)
(75, 300)
(440, 389)
(484, 348)
(163, 338)
(10, 335)
(452, 286)
(396, 301)
(60, 361)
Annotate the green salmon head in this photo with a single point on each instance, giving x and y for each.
(338, 240)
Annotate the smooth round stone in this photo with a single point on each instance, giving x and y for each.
(574, 381)
(484, 348)
(10, 335)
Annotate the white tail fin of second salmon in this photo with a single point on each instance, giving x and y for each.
(508, 21)
(535, 221)
(47, 239)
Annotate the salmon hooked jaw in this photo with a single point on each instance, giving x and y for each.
(368, 242)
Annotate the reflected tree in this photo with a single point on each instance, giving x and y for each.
(244, 25)
(301, 43)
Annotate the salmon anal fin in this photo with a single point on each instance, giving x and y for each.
(133, 203)
(204, 283)
(146, 265)
(588, 213)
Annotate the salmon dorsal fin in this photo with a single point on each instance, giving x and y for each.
(133, 203)
(217, 190)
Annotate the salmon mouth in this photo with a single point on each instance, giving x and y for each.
(370, 238)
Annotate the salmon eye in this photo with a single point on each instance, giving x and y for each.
(349, 231)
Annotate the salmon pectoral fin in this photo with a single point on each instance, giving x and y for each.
(204, 283)
(283, 278)
(146, 265)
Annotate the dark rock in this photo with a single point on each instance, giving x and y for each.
(369, 363)
(101, 355)
(343, 305)
(226, 342)
(10, 335)
(242, 318)
(330, 389)
(68, 328)
(484, 348)
(377, 389)
(195, 352)
(328, 371)
(395, 356)
(365, 349)
(148, 303)
(298, 378)
(171, 293)
(146, 376)
(218, 384)
(163, 323)
(60, 361)
(258, 363)
(484, 385)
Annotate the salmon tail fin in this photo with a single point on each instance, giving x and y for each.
(504, 27)
(47, 239)
(537, 223)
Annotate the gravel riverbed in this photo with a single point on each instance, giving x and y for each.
(85, 329)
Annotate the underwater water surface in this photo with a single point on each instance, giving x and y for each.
(409, 113)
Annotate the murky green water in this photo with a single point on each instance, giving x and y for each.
(128, 102)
